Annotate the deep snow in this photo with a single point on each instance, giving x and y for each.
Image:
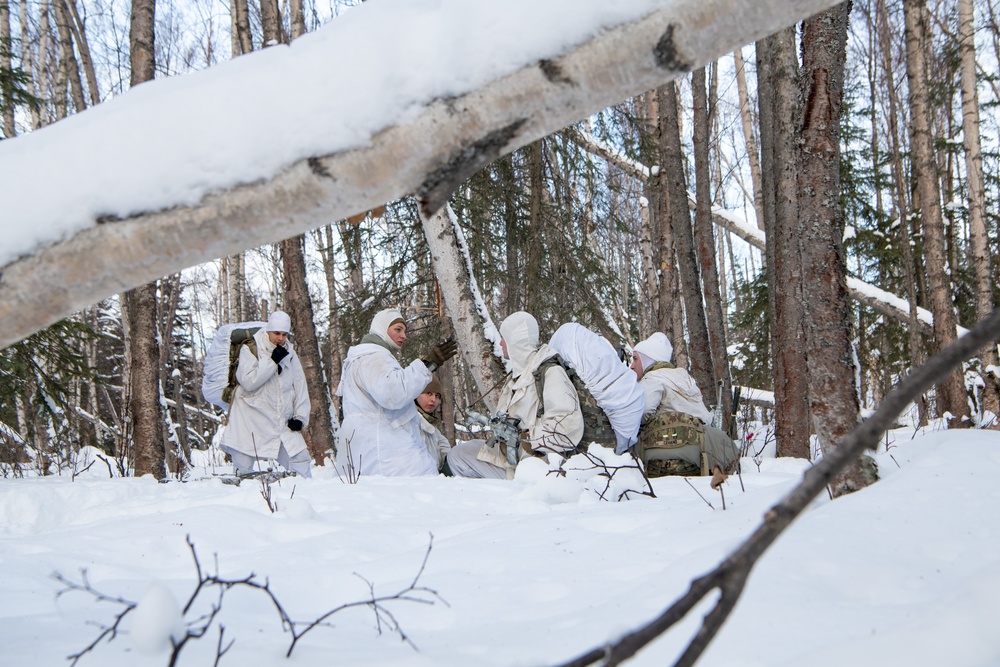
(531, 572)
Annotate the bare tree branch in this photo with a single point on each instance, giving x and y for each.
(731, 575)
(198, 627)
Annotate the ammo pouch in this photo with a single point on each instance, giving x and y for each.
(674, 436)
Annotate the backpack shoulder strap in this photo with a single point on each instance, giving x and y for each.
(596, 425)
(238, 339)
(539, 374)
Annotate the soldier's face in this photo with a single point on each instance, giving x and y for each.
(503, 346)
(429, 401)
(636, 366)
(397, 333)
(278, 337)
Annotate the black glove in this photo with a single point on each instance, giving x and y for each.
(278, 353)
(440, 353)
(295, 424)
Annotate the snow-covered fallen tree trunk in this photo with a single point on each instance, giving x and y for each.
(428, 152)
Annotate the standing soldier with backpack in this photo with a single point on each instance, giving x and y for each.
(553, 421)
(270, 403)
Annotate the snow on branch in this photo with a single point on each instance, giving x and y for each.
(428, 148)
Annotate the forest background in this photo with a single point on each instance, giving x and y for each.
(647, 216)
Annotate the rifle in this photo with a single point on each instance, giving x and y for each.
(505, 431)
(731, 431)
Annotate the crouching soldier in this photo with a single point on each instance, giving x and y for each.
(530, 424)
(427, 405)
(675, 438)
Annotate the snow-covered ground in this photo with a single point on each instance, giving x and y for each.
(528, 572)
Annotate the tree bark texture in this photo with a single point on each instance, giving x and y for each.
(296, 19)
(239, 13)
(672, 161)
(142, 52)
(139, 305)
(27, 61)
(270, 23)
(721, 391)
(144, 409)
(780, 109)
(67, 57)
(319, 435)
(833, 398)
(430, 153)
(979, 255)
(6, 48)
(80, 37)
(951, 391)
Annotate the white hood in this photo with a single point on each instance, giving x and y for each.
(520, 333)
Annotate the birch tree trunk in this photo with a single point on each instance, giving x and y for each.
(334, 355)
(979, 255)
(80, 37)
(430, 151)
(177, 450)
(28, 60)
(296, 18)
(672, 162)
(68, 66)
(460, 290)
(44, 70)
(827, 318)
(242, 42)
(270, 22)
(746, 118)
(139, 304)
(59, 79)
(650, 262)
(951, 391)
(777, 74)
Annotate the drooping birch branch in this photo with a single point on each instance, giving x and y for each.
(428, 153)
(884, 302)
(731, 575)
